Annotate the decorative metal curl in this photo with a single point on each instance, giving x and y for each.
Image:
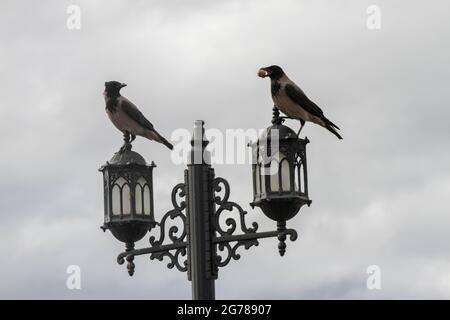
(231, 250)
(217, 188)
(225, 205)
(180, 190)
(249, 237)
(174, 258)
(177, 212)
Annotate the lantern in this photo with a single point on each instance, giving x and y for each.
(280, 181)
(128, 196)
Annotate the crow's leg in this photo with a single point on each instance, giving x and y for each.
(133, 136)
(126, 142)
(301, 127)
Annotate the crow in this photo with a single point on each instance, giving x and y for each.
(126, 116)
(291, 100)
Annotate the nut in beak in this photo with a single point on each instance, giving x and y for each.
(262, 73)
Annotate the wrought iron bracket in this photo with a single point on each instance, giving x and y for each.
(225, 239)
(158, 252)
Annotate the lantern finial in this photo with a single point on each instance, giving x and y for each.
(276, 119)
(126, 142)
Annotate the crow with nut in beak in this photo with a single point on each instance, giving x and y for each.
(291, 100)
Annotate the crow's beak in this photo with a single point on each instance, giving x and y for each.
(263, 73)
(123, 85)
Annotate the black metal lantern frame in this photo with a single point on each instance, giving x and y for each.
(280, 176)
(133, 181)
(128, 196)
(202, 245)
(287, 166)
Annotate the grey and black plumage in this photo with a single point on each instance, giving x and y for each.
(293, 102)
(126, 116)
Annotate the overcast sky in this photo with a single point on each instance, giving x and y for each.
(380, 196)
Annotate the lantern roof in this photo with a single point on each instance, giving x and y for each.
(127, 157)
(284, 132)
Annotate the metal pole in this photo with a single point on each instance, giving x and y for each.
(199, 212)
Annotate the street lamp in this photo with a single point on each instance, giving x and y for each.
(280, 180)
(128, 197)
(199, 244)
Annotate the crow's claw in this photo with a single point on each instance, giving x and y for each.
(125, 147)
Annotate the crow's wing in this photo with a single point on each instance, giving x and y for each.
(297, 95)
(302, 100)
(133, 112)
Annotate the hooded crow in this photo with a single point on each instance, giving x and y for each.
(126, 116)
(291, 100)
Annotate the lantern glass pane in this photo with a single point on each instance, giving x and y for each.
(275, 171)
(115, 200)
(146, 200)
(257, 180)
(262, 171)
(263, 179)
(285, 175)
(116, 195)
(120, 182)
(298, 173)
(302, 178)
(126, 199)
(138, 199)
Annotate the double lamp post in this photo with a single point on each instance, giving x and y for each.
(280, 189)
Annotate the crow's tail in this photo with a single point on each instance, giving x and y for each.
(331, 127)
(333, 130)
(154, 135)
(165, 142)
(331, 124)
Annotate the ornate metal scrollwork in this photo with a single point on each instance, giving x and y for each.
(174, 258)
(220, 184)
(225, 205)
(176, 249)
(226, 239)
(177, 212)
(231, 250)
(249, 237)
